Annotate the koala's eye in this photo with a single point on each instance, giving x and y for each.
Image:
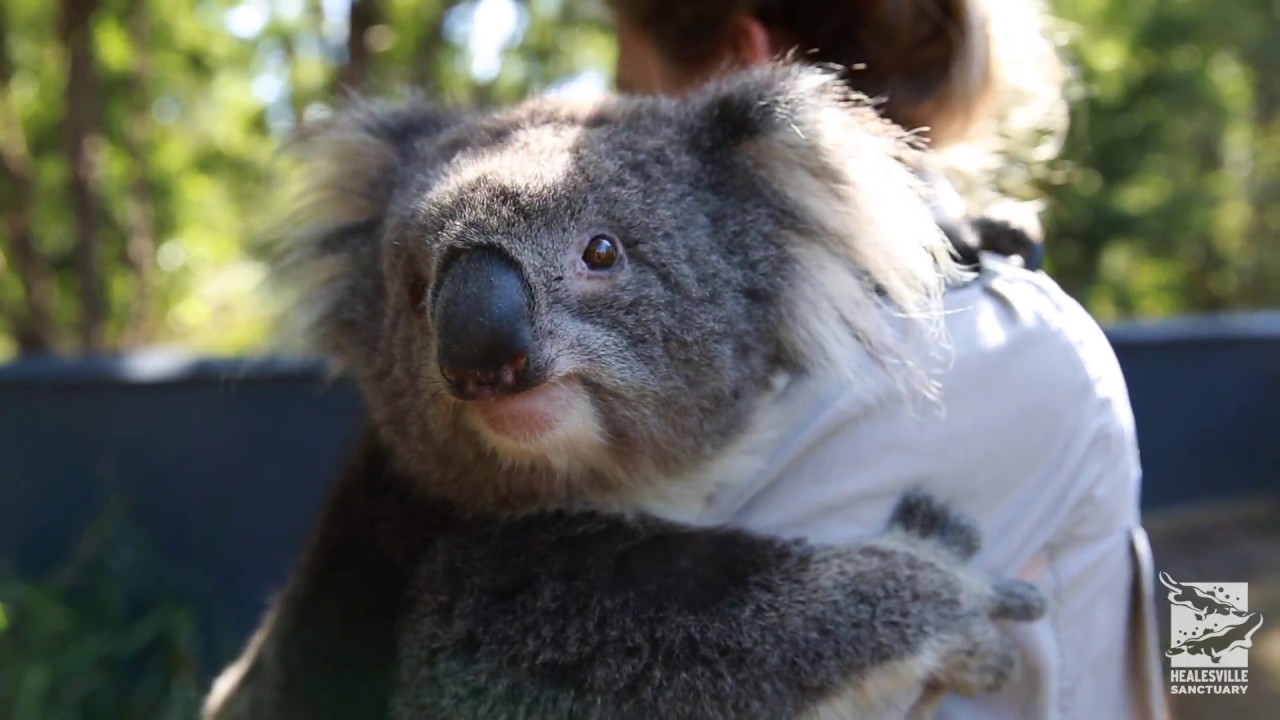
(601, 253)
(416, 292)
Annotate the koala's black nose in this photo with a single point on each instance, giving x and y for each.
(484, 320)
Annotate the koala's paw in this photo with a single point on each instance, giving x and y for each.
(976, 656)
(981, 657)
(928, 523)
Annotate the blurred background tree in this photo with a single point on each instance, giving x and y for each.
(1167, 197)
(136, 139)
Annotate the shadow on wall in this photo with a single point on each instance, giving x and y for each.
(224, 463)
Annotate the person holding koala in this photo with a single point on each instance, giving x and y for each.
(568, 322)
(640, 375)
(1035, 436)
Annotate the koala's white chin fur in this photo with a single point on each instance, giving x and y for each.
(554, 423)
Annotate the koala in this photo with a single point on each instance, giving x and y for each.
(570, 322)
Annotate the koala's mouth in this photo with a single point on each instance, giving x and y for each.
(553, 409)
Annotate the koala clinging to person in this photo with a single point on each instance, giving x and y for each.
(568, 322)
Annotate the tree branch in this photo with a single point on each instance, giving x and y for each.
(32, 323)
(82, 138)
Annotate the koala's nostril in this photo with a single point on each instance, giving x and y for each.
(513, 376)
(517, 364)
(509, 378)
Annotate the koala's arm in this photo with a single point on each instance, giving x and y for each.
(589, 616)
(595, 617)
(326, 649)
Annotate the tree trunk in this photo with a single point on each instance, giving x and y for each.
(1261, 281)
(80, 125)
(32, 324)
(140, 212)
(364, 15)
(424, 68)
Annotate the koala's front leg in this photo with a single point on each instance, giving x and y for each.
(326, 650)
(972, 657)
(597, 617)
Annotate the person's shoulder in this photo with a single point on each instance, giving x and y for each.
(1048, 345)
(1031, 290)
(1039, 306)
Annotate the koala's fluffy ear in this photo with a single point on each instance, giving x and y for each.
(345, 172)
(864, 237)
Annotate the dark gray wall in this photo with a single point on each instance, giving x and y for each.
(224, 463)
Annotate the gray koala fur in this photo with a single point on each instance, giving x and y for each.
(578, 616)
(769, 228)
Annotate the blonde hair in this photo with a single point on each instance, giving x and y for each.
(1021, 117)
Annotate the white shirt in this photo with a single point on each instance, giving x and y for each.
(1033, 436)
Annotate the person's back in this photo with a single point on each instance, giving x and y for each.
(1032, 432)
(1032, 435)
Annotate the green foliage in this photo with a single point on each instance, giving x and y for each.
(197, 112)
(100, 640)
(1166, 199)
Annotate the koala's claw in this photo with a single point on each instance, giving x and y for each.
(924, 517)
(1017, 600)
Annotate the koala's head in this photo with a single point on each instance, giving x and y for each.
(572, 302)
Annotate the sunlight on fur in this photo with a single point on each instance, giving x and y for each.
(843, 166)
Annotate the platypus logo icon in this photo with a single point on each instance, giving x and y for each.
(1211, 625)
